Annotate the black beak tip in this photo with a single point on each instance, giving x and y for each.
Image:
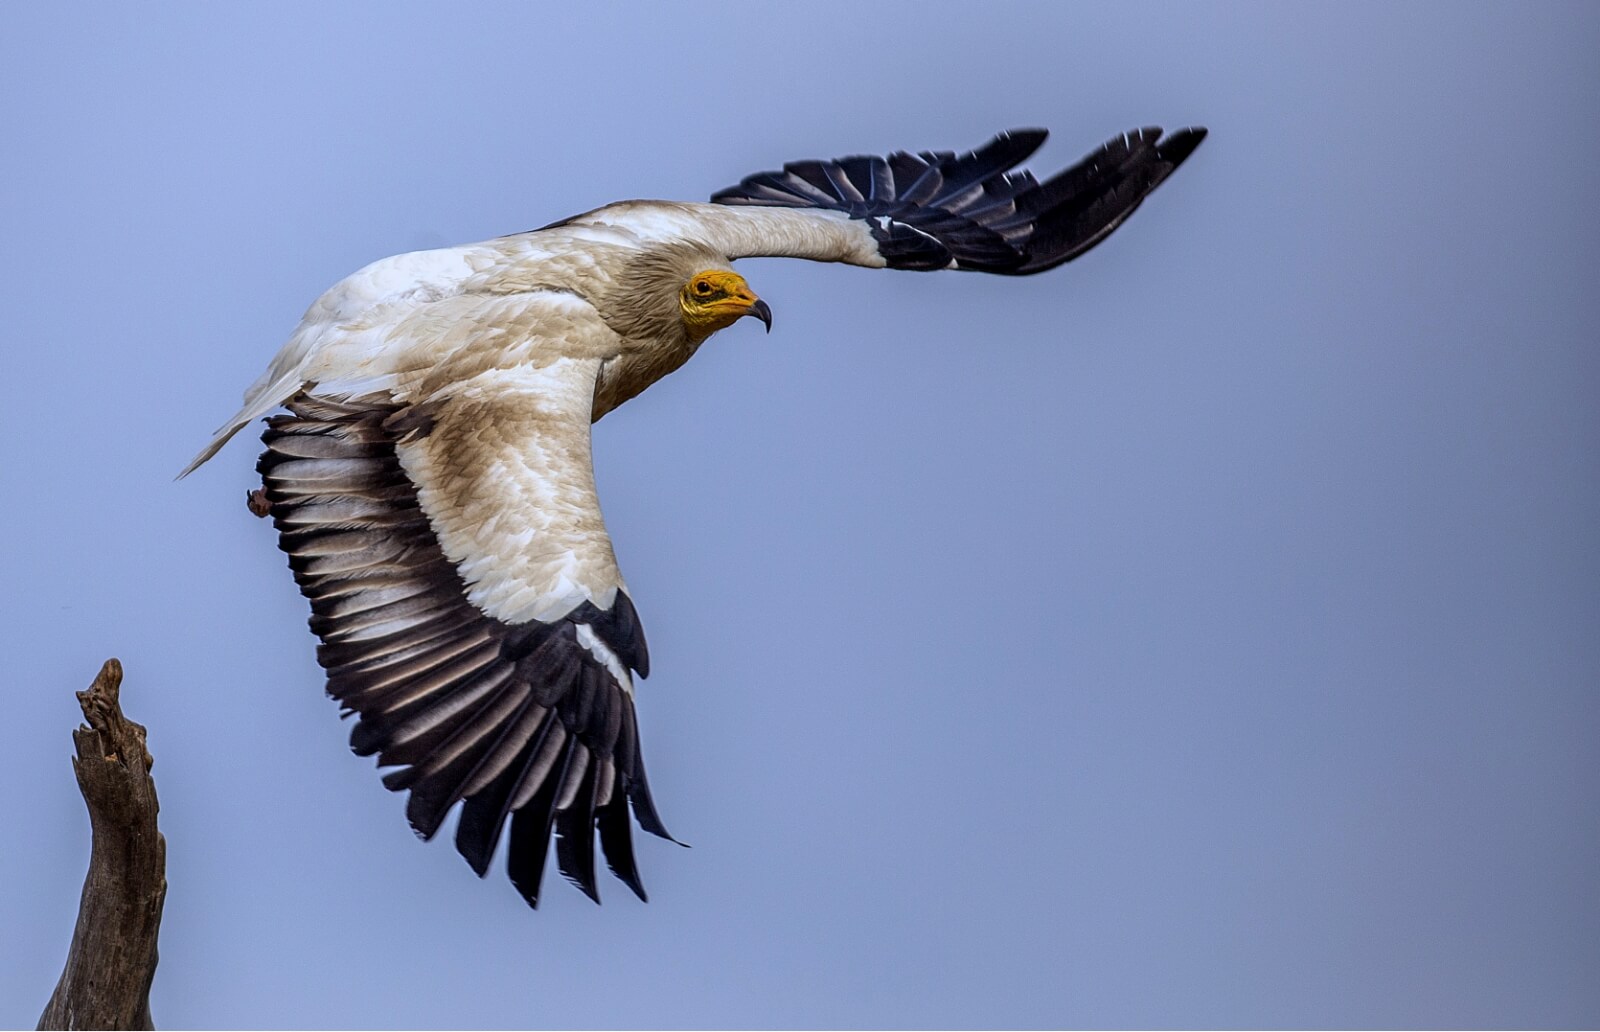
(761, 311)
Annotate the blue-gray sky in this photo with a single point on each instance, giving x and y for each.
(1205, 633)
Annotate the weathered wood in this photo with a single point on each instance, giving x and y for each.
(106, 983)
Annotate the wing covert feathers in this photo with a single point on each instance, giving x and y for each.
(526, 724)
(938, 210)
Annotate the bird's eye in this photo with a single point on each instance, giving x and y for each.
(702, 287)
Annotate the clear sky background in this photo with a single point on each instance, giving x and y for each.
(1204, 633)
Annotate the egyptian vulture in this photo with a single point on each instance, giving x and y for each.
(431, 481)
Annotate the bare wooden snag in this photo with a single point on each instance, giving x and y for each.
(106, 983)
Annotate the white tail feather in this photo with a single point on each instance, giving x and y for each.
(257, 404)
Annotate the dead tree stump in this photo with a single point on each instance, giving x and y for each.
(106, 983)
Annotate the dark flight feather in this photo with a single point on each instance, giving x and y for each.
(938, 209)
(471, 710)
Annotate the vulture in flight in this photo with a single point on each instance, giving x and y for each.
(431, 479)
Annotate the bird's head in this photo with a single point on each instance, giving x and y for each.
(713, 299)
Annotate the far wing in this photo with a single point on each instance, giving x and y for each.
(470, 609)
(938, 210)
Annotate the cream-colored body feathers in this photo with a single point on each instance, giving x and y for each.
(503, 342)
(398, 317)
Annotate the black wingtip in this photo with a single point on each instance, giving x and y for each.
(530, 834)
(1181, 143)
(616, 841)
(940, 210)
(1019, 144)
(478, 831)
(644, 807)
(426, 808)
(575, 836)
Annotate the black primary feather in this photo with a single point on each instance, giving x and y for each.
(939, 210)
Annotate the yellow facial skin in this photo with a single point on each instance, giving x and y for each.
(717, 298)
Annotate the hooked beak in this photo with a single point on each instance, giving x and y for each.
(762, 312)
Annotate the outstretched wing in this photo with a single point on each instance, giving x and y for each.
(939, 210)
(470, 609)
